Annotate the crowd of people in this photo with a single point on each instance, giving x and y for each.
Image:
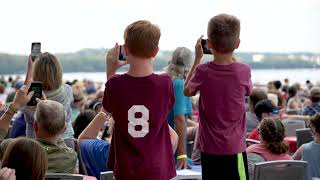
(140, 124)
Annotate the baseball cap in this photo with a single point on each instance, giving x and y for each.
(265, 106)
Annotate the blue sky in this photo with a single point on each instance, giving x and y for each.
(70, 25)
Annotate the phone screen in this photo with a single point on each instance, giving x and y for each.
(205, 48)
(36, 87)
(122, 56)
(35, 50)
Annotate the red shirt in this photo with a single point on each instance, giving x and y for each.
(141, 146)
(254, 134)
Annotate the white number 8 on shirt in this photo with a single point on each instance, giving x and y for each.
(141, 121)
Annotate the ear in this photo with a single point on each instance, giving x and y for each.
(155, 52)
(126, 50)
(263, 115)
(238, 44)
(209, 43)
(35, 126)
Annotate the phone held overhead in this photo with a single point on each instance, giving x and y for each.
(205, 49)
(35, 50)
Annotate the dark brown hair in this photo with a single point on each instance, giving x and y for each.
(224, 33)
(273, 133)
(28, 159)
(257, 95)
(142, 38)
(315, 122)
(48, 70)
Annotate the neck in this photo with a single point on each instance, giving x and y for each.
(223, 59)
(44, 136)
(317, 139)
(140, 67)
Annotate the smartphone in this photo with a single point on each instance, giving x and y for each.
(35, 50)
(122, 56)
(36, 87)
(205, 48)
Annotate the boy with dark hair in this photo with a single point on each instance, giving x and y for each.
(139, 102)
(223, 84)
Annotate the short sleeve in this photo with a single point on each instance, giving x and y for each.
(179, 105)
(107, 98)
(195, 81)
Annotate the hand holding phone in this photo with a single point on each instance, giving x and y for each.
(122, 56)
(36, 87)
(205, 48)
(35, 50)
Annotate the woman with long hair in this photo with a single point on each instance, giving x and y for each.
(47, 69)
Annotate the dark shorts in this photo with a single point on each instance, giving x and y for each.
(227, 167)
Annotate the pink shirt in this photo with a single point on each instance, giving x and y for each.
(223, 88)
(266, 154)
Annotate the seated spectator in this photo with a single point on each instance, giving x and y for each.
(27, 158)
(314, 107)
(310, 152)
(294, 102)
(49, 125)
(47, 69)
(272, 147)
(251, 118)
(264, 108)
(95, 152)
(82, 121)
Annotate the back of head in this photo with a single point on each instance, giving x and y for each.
(315, 94)
(82, 121)
(142, 39)
(48, 70)
(51, 117)
(28, 159)
(272, 132)
(224, 33)
(292, 91)
(315, 123)
(180, 63)
(264, 106)
(277, 84)
(257, 95)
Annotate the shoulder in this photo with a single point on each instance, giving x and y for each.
(94, 144)
(243, 66)
(68, 89)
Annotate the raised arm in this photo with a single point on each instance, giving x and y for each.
(29, 76)
(199, 54)
(92, 130)
(21, 99)
(112, 61)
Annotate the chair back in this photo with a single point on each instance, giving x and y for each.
(108, 175)
(280, 170)
(63, 176)
(250, 142)
(292, 125)
(303, 136)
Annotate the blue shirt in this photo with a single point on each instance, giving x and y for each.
(182, 103)
(312, 109)
(95, 154)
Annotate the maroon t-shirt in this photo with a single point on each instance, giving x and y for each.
(141, 146)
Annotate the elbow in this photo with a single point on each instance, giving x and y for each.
(186, 92)
(174, 141)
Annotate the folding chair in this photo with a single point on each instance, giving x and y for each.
(292, 125)
(250, 142)
(108, 175)
(303, 136)
(280, 170)
(63, 176)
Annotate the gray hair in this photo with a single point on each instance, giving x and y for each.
(51, 116)
(180, 63)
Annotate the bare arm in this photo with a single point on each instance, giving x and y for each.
(174, 139)
(29, 76)
(298, 154)
(21, 99)
(199, 54)
(92, 130)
